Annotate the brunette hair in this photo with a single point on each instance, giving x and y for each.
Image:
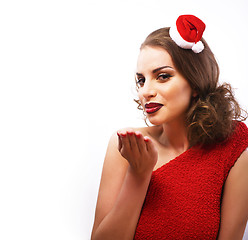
(211, 113)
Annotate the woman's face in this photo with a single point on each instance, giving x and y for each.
(164, 94)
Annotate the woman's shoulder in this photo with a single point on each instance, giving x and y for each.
(234, 211)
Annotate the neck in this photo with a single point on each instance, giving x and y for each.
(174, 136)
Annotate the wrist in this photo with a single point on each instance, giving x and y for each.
(140, 175)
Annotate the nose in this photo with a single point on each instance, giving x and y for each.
(148, 91)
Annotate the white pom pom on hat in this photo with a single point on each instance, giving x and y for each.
(188, 32)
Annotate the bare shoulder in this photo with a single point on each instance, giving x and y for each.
(234, 209)
(113, 162)
(243, 159)
(240, 168)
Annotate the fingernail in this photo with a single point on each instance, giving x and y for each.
(138, 135)
(146, 139)
(130, 133)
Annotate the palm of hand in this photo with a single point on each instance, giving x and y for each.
(138, 150)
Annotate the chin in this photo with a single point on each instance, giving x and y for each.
(155, 121)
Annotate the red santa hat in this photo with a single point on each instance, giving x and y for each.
(188, 32)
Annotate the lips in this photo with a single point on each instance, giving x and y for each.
(152, 107)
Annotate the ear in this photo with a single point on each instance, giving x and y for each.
(194, 93)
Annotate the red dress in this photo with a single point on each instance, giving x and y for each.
(184, 196)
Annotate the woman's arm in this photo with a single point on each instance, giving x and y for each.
(234, 209)
(126, 174)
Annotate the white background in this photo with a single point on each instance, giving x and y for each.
(66, 84)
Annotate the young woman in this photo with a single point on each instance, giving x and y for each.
(185, 177)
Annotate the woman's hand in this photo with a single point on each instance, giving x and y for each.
(138, 150)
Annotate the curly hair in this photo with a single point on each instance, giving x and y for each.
(211, 113)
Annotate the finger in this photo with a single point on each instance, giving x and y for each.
(149, 144)
(132, 140)
(125, 141)
(140, 142)
(119, 141)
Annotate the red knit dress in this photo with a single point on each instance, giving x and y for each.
(184, 196)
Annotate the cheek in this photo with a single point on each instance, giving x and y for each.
(140, 98)
(140, 94)
(186, 94)
(179, 95)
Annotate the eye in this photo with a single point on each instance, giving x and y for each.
(164, 76)
(140, 81)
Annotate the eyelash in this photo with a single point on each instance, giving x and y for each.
(165, 76)
(140, 81)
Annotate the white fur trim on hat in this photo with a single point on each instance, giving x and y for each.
(176, 37)
(198, 47)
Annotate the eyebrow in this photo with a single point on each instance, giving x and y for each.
(160, 68)
(156, 70)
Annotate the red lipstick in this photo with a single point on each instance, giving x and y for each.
(152, 107)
